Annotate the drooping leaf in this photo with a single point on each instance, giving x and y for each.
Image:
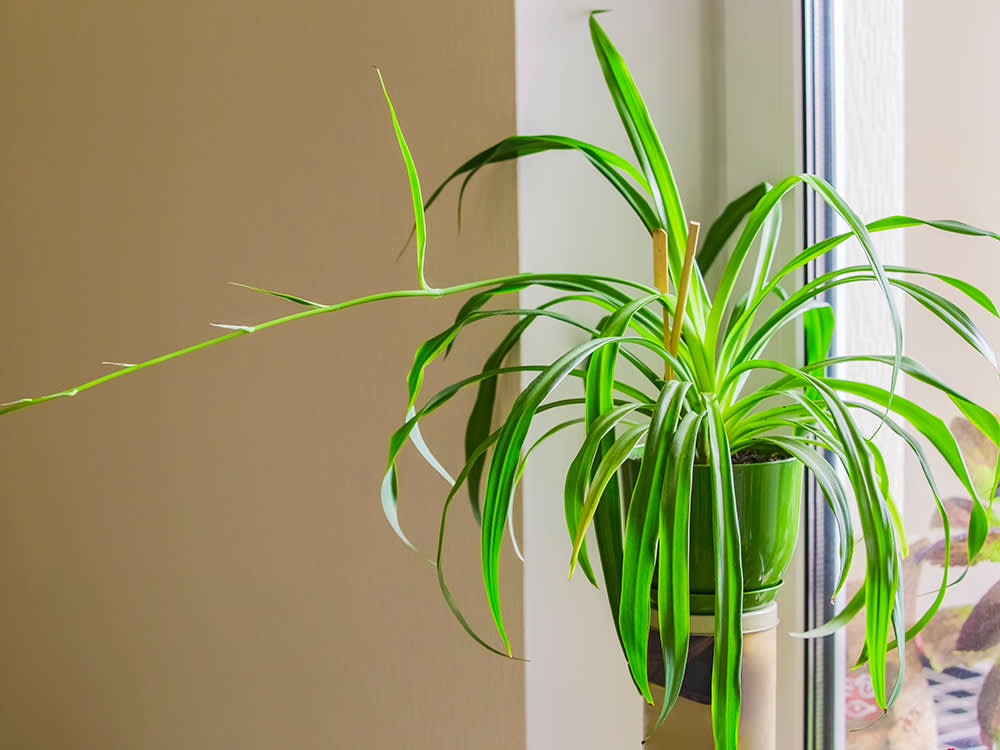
(819, 249)
(673, 606)
(481, 449)
(606, 471)
(946, 543)
(728, 654)
(723, 228)
(504, 461)
(579, 474)
(610, 165)
(390, 481)
(439, 561)
(935, 430)
(883, 603)
(290, 297)
(415, 194)
(598, 394)
(953, 316)
(836, 496)
(642, 532)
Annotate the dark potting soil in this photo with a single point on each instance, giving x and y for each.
(758, 455)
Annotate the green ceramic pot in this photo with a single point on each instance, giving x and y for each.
(768, 498)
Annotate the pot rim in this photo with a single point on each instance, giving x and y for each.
(786, 460)
(637, 456)
(754, 620)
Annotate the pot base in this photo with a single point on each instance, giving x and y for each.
(689, 724)
(704, 604)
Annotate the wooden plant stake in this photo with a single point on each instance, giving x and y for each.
(682, 289)
(661, 280)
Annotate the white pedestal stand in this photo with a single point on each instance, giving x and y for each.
(689, 724)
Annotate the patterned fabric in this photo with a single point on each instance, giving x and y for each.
(955, 691)
(859, 699)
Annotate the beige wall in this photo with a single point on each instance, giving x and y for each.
(952, 153)
(195, 556)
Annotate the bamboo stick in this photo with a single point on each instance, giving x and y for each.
(682, 289)
(661, 280)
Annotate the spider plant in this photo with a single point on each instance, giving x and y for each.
(700, 413)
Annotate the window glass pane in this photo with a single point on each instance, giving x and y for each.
(945, 153)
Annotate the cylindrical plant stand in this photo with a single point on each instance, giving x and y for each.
(689, 724)
(766, 493)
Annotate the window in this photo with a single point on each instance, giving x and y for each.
(901, 68)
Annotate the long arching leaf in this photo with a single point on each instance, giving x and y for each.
(604, 474)
(925, 466)
(390, 482)
(580, 472)
(672, 602)
(819, 249)
(834, 492)
(642, 532)
(728, 654)
(411, 173)
(936, 431)
(608, 514)
(723, 228)
(503, 463)
(883, 608)
(651, 157)
(611, 166)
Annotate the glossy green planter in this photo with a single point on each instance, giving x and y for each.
(768, 498)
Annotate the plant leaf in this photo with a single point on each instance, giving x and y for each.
(578, 474)
(609, 164)
(411, 173)
(728, 656)
(282, 295)
(673, 605)
(598, 395)
(503, 463)
(817, 326)
(833, 490)
(935, 430)
(651, 157)
(723, 228)
(883, 602)
(607, 470)
(642, 532)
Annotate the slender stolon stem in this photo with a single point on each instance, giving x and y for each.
(662, 282)
(682, 289)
